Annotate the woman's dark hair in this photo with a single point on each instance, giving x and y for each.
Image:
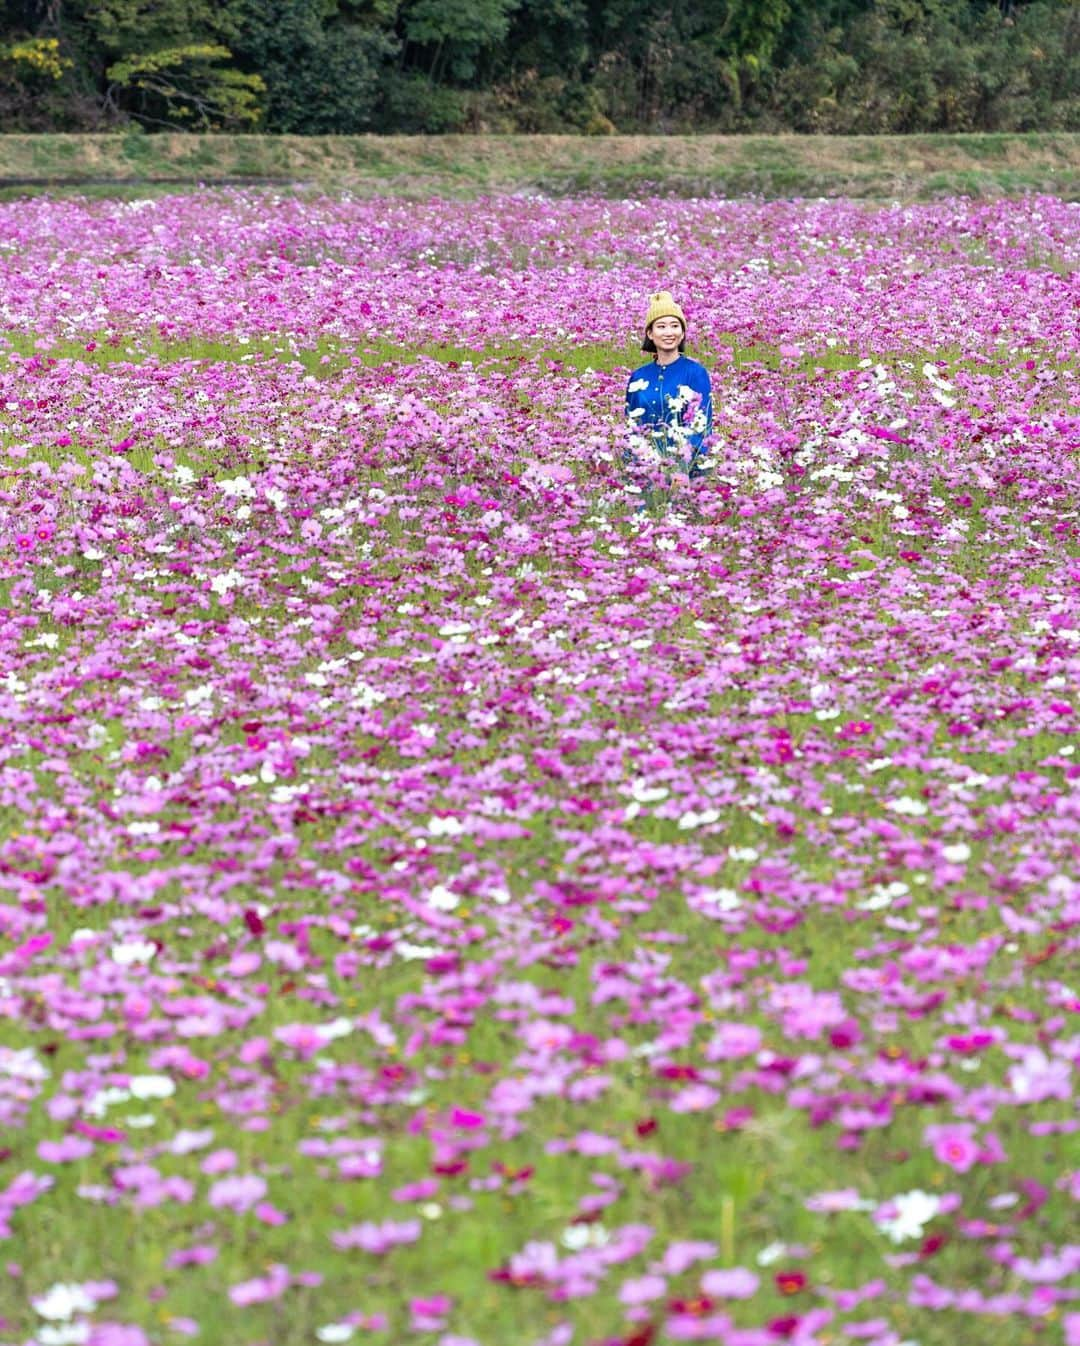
(649, 345)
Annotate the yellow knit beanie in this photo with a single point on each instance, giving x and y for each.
(662, 305)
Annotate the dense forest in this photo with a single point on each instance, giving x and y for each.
(579, 66)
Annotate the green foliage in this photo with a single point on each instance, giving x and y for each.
(183, 87)
(322, 75)
(34, 58)
(30, 70)
(454, 34)
(413, 105)
(905, 65)
(586, 66)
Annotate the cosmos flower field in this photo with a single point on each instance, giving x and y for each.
(445, 903)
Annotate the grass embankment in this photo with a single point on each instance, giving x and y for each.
(905, 167)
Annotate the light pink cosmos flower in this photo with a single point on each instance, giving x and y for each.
(732, 1041)
(237, 1193)
(1045, 1270)
(1038, 1077)
(68, 1150)
(196, 1256)
(683, 1254)
(375, 1237)
(730, 1283)
(116, 1334)
(695, 1098)
(535, 1261)
(219, 1161)
(828, 1203)
(642, 1290)
(262, 1289)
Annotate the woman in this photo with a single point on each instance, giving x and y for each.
(669, 400)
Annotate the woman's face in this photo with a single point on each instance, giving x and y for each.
(666, 333)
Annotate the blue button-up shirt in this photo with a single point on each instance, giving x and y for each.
(670, 406)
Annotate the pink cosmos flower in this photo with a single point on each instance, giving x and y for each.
(954, 1144)
(429, 1314)
(198, 1255)
(466, 1120)
(220, 1161)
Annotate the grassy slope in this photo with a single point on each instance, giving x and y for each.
(869, 166)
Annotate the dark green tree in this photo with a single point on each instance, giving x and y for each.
(323, 68)
(341, 66)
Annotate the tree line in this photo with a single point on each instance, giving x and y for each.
(557, 66)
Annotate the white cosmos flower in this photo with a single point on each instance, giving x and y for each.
(189, 1142)
(931, 375)
(913, 1210)
(144, 1087)
(746, 853)
(445, 827)
(690, 819)
(96, 1104)
(878, 900)
(442, 899)
(64, 1334)
(578, 1236)
(957, 854)
(723, 899)
(138, 951)
(22, 1064)
(237, 486)
(908, 807)
(336, 1028)
(334, 1332)
(228, 579)
(412, 952)
(63, 1301)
